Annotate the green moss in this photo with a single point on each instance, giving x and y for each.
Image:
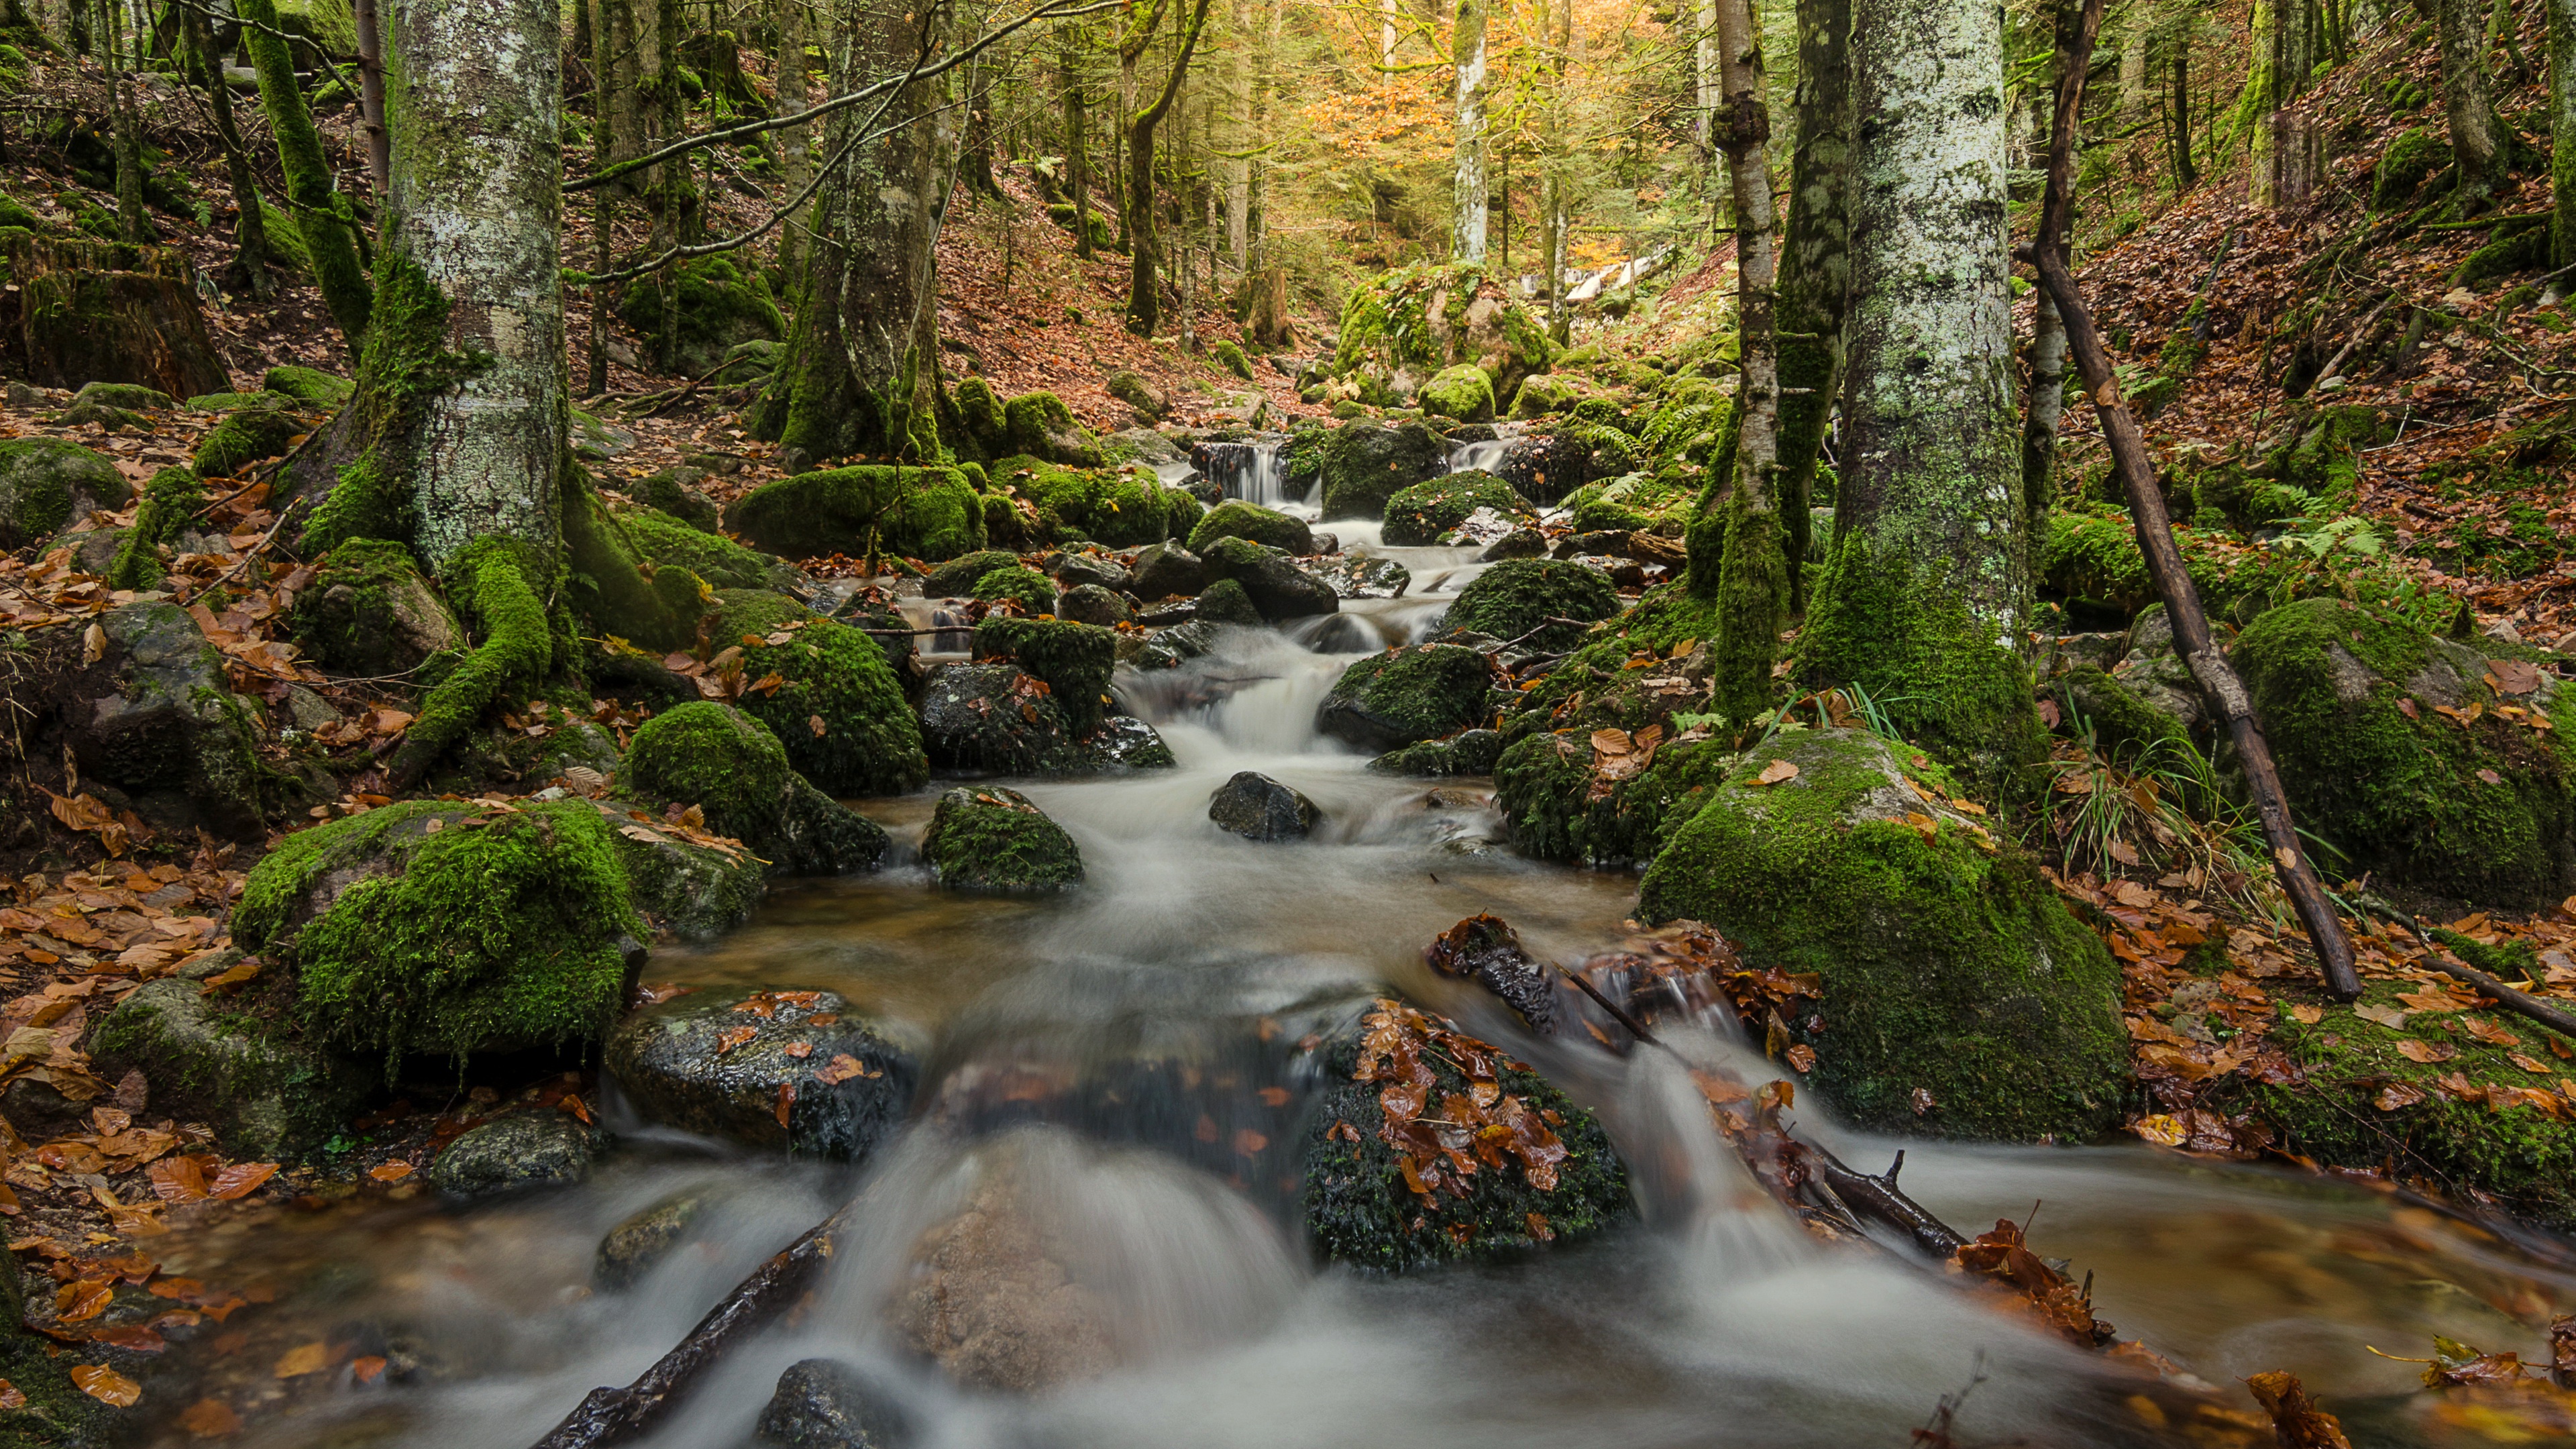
(44, 482)
(719, 759)
(1227, 602)
(491, 578)
(366, 610)
(1040, 425)
(1890, 627)
(1364, 464)
(1516, 599)
(1407, 695)
(405, 363)
(1543, 786)
(251, 435)
(170, 503)
(2513, 248)
(663, 539)
(1231, 358)
(700, 311)
(1073, 660)
(2125, 728)
(495, 932)
(1120, 507)
(2403, 168)
(618, 591)
(325, 221)
(1235, 518)
(2334, 683)
(1948, 968)
(309, 385)
(868, 742)
(1032, 590)
(873, 510)
(989, 838)
(956, 578)
(1462, 392)
(984, 428)
(1420, 514)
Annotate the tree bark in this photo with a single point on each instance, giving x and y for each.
(2186, 174)
(2562, 136)
(250, 218)
(371, 93)
(795, 144)
(604, 111)
(2476, 149)
(1467, 190)
(131, 218)
(1815, 266)
(2283, 144)
(858, 373)
(2046, 406)
(1927, 595)
(634, 42)
(322, 216)
(1753, 582)
(1077, 146)
(2137, 90)
(1145, 247)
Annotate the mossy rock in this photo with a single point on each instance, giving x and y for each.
(1073, 660)
(230, 402)
(448, 929)
(988, 838)
(124, 397)
(1407, 695)
(1361, 1210)
(712, 305)
(1409, 325)
(1960, 998)
(1226, 602)
(1469, 752)
(1365, 464)
(1277, 587)
(1116, 507)
(2352, 700)
(1418, 515)
(1546, 393)
(369, 612)
(729, 764)
(664, 540)
(684, 1064)
(157, 716)
(45, 483)
(2125, 727)
(684, 889)
(956, 578)
(1040, 425)
(674, 491)
(1230, 357)
(884, 509)
(252, 435)
(527, 1150)
(996, 717)
(1238, 519)
(979, 416)
(1131, 388)
(1543, 784)
(320, 389)
(1022, 585)
(2411, 158)
(266, 1092)
(839, 709)
(1515, 599)
(1463, 392)
(166, 515)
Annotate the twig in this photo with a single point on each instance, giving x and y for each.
(2358, 333)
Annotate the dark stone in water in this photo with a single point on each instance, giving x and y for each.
(1075, 569)
(522, 1150)
(1487, 951)
(1469, 752)
(643, 1242)
(1519, 543)
(1093, 604)
(1165, 569)
(987, 838)
(674, 1061)
(824, 1403)
(1257, 807)
(995, 717)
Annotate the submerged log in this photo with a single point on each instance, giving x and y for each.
(84, 311)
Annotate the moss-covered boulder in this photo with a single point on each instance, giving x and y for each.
(164, 519)
(1120, 507)
(1040, 425)
(1365, 464)
(306, 384)
(1021, 585)
(156, 717)
(1469, 752)
(1404, 327)
(956, 579)
(1073, 660)
(1463, 392)
(45, 483)
(686, 887)
(995, 717)
(730, 765)
(522, 1151)
(837, 705)
(245, 437)
(878, 508)
(802, 1072)
(448, 929)
(1407, 695)
(1959, 997)
(700, 310)
(1278, 588)
(1238, 519)
(987, 838)
(1544, 394)
(1222, 603)
(265, 1090)
(1166, 569)
(2422, 759)
(1545, 786)
(675, 491)
(368, 612)
(1383, 1193)
(662, 539)
(1516, 599)
(1095, 604)
(1418, 515)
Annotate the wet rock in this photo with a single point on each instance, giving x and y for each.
(1518, 599)
(992, 1303)
(1238, 519)
(1227, 602)
(1365, 464)
(956, 578)
(1519, 543)
(1484, 528)
(1128, 743)
(994, 717)
(995, 839)
(1545, 469)
(1366, 576)
(1164, 570)
(1469, 752)
(684, 889)
(645, 1241)
(1141, 445)
(1168, 649)
(266, 1092)
(729, 765)
(157, 714)
(1073, 660)
(1073, 570)
(1092, 604)
(1407, 695)
(725, 1061)
(524, 1150)
(823, 1403)
(1422, 513)
(911, 511)
(1486, 950)
(1276, 585)
(1257, 807)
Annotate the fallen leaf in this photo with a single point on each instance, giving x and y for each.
(734, 1036)
(368, 1369)
(240, 1180)
(2416, 1049)
(2398, 1095)
(80, 1301)
(10, 1398)
(106, 1385)
(390, 1171)
(2307, 1015)
(309, 1358)
(2387, 1016)
(2532, 1066)
(2491, 777)
(210, 1419)
(1801, 1057)
(841, 1069)
(2161, 1129)
(1775, 772)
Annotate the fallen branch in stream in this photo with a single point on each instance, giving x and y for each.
(609, 1416)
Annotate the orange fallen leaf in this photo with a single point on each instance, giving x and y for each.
(1775, 772)
(2416, 1050)
(240, 1180)
(10, 1398)
(105, 1384)
(368, 1369)
(210, 1419)
(390, 1171)
(307, 1358)
(2307, 1015)
(842, 1068)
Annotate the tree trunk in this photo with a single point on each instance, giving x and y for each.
(1928, 591)
(1467, 193)
(604, 111)
(1077, 145)
(859, 371)
(1144, 304)
(2046, 407)
(2186, 175)
(322, 216)
(1243, 123)
(796, 146)
(1753, 581)
(2137, 90)
(132, 219)
(371, 93)
(634, 44)
(2285, 152)
(675, 210)
(1815, 265)
(2562, 136)
(1704, 99)
(2476, 149)
(250, 219)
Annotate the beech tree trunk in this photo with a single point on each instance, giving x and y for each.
(322, 216)
(2476, 148)
(796, 143)
(1467, 194)
(2046, 407)
(1927, 594)
(1753, 582)
(371, 93)
(2562, 136)
(1815, 265)
(2283, 144)
(2137, 86)
(1144, 239)
(250, 219)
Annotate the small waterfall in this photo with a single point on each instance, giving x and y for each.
(1176, 472)
(1485, 457)
(1252, 470)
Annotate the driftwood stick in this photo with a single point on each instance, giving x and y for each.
(2358, 333)
(2218, 681)
(617, 1416)
(2520, 1002)
(1878, 1198)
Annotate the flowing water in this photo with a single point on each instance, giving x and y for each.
(1710, 1320)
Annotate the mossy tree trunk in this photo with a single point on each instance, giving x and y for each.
(1815, 264)
(2137, 84)
(2281, 143)
(1928, 589)
(2562, 135)
(2476, 149)
(2046, 405)
(1467, 189)
(1753, 583)
(1144, 238)
(2186, 173)
(633, 42)
(322, 216)
(250, 218)
(858, 373)
(796, 143)
(130, 215)
(1556, 188)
